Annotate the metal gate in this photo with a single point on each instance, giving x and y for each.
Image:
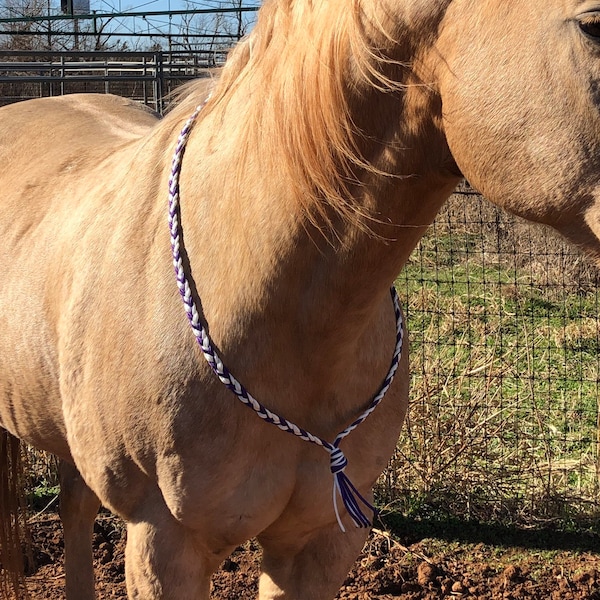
(145, 76)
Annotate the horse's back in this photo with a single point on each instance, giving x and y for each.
(86, 126)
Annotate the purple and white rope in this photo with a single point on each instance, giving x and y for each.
(342, 485)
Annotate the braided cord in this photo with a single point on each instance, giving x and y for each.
(343, 487)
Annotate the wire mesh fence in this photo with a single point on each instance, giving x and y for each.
(504, 422)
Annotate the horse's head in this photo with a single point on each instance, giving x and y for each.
(520, 90)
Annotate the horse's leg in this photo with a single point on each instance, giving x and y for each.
(163, 561)
(310, 568)
(78, 509)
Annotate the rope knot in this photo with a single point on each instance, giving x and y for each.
(338, 461)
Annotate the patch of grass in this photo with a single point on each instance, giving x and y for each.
(505, 374)
(43, 495)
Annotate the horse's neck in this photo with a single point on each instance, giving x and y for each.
(268, 270)
(254, 213)
(260, 264)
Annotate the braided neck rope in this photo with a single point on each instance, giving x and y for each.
(342, 485)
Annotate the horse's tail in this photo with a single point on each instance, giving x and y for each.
(11, 528)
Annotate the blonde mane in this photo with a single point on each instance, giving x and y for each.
(305, 77)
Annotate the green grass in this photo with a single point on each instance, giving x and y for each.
(505, 376)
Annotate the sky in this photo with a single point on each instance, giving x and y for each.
(154, 23)
(139, 32)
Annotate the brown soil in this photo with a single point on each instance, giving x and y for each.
(424, 570)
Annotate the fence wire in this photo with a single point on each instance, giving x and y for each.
(504, 420)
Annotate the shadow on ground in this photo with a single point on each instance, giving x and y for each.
(584, 538)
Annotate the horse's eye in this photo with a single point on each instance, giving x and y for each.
(590, 25)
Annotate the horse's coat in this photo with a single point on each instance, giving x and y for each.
(331, 139)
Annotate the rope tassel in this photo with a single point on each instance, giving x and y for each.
(350, 496)
(342, 486)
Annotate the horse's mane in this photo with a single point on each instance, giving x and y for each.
(298, 69)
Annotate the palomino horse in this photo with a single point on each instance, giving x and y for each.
(328, 143)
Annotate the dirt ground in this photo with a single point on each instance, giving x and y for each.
(420, 568)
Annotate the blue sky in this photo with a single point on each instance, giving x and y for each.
(142, 31)
(133, 5)
(156, 24)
